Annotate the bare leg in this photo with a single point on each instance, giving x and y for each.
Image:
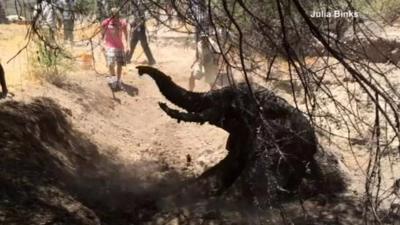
(191, 82)
(119, 72)
(119, 76)
(111, 69)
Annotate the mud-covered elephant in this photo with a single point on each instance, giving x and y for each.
(271, 144)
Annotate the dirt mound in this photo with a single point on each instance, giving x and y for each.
(37, 146)
(52, 174)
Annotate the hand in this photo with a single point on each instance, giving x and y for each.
(102, 48)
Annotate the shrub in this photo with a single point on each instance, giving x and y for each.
(51, 64)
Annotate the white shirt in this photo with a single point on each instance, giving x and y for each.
(46, 14)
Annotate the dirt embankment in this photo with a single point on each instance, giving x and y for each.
(52, 174)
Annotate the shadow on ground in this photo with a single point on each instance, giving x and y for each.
(52, 174)
(131, 90)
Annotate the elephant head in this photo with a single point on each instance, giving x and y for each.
(217, 107)
(235, 108)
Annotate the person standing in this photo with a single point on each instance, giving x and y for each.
(67, 9)
(207, 63)
(138, 32)
(113, 28)
(46, 16)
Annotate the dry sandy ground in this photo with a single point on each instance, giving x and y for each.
(131, 126)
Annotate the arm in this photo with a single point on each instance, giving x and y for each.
(194, 62)
(200, 53)
(214, 45)
(125, 31)
(102, 35)
(102, 32)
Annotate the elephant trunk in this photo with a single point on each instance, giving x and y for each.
(190, 101)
